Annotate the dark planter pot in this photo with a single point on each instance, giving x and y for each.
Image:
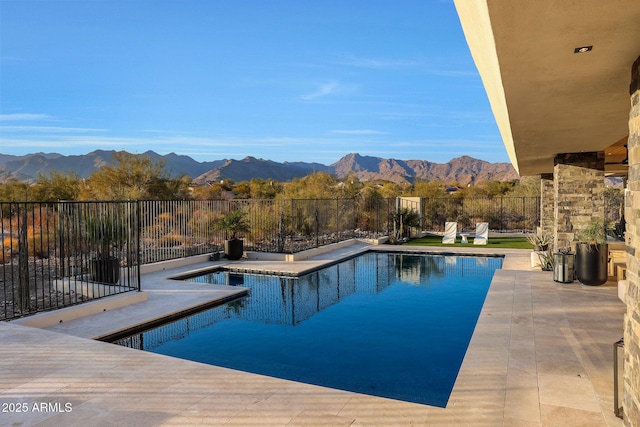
(233, 249)
(105, 270)
(591, 263)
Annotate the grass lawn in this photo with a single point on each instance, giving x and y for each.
(494, 242)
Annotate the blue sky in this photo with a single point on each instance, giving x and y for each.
(285, 80)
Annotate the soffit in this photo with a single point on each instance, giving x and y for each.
(546, 98)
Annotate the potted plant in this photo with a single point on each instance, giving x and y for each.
(546, 260)
(592, 255)
(233, 223)
(107, 237)
(403, 221)
(540, 241)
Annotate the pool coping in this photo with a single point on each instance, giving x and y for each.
(233, 269)
(162, 282)
(119, 334)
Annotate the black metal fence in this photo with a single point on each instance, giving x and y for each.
(504, 214)
(61, 254)
(174, 229)
(58, 254)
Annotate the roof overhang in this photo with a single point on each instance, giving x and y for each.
(545, 98)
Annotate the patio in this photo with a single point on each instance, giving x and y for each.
(541, 355)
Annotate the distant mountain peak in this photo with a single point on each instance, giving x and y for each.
(461, 170)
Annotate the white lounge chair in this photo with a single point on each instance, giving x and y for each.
(450, 231)
(482, 233)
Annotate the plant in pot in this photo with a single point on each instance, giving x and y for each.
(540, 241)
(592, 254)
(546, 260)
(403, 221)
(107, 237)
(233, 223)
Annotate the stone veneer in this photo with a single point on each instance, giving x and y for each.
(547, 201)
(631, 401)
(579, 194)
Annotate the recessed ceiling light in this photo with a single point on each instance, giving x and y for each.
(582, 49)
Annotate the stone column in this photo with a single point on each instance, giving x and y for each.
(578, 185)
(631, 401)
(547, 202)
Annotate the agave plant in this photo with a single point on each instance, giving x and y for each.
(540, 241)
(546, 260)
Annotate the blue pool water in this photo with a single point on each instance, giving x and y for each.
(385, 324)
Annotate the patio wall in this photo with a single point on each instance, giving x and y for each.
(547, 201)
(579, 194)
(632, 213)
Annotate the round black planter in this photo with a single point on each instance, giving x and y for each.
(591, 263)
(233, 249)
(105, 270)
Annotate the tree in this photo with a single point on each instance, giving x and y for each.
(242, 190)
(350, 186)
(371, 193)
(423, 188)
(208, 192)
(57, 186)
(134, 177)
(500, 188)
(387, 189)
(318, 185)
(170, 188)
(488, 189)
(14, 191)
(528, 186)
(265, 189)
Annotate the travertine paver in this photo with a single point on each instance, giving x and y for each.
(541, 354)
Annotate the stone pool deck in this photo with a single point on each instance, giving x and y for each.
(541, 355)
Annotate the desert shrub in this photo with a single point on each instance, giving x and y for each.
(171, 239)
(9, 248)
(39, 243)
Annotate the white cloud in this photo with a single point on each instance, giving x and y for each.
(48, 129)
(377, 63)
(425, 66)
(24, 117)
(359, 132)
(323, 90)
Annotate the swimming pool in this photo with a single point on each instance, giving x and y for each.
(386, 324)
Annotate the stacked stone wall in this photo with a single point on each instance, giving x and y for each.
(579, 195)
(631, 401)
(546, 204)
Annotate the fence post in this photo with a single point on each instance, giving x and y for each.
(23, 261)
(281, 238)
(337, 216)
(354, 224)
(317, 229)
(138, 228)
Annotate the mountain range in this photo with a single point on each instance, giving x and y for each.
(462, 170)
